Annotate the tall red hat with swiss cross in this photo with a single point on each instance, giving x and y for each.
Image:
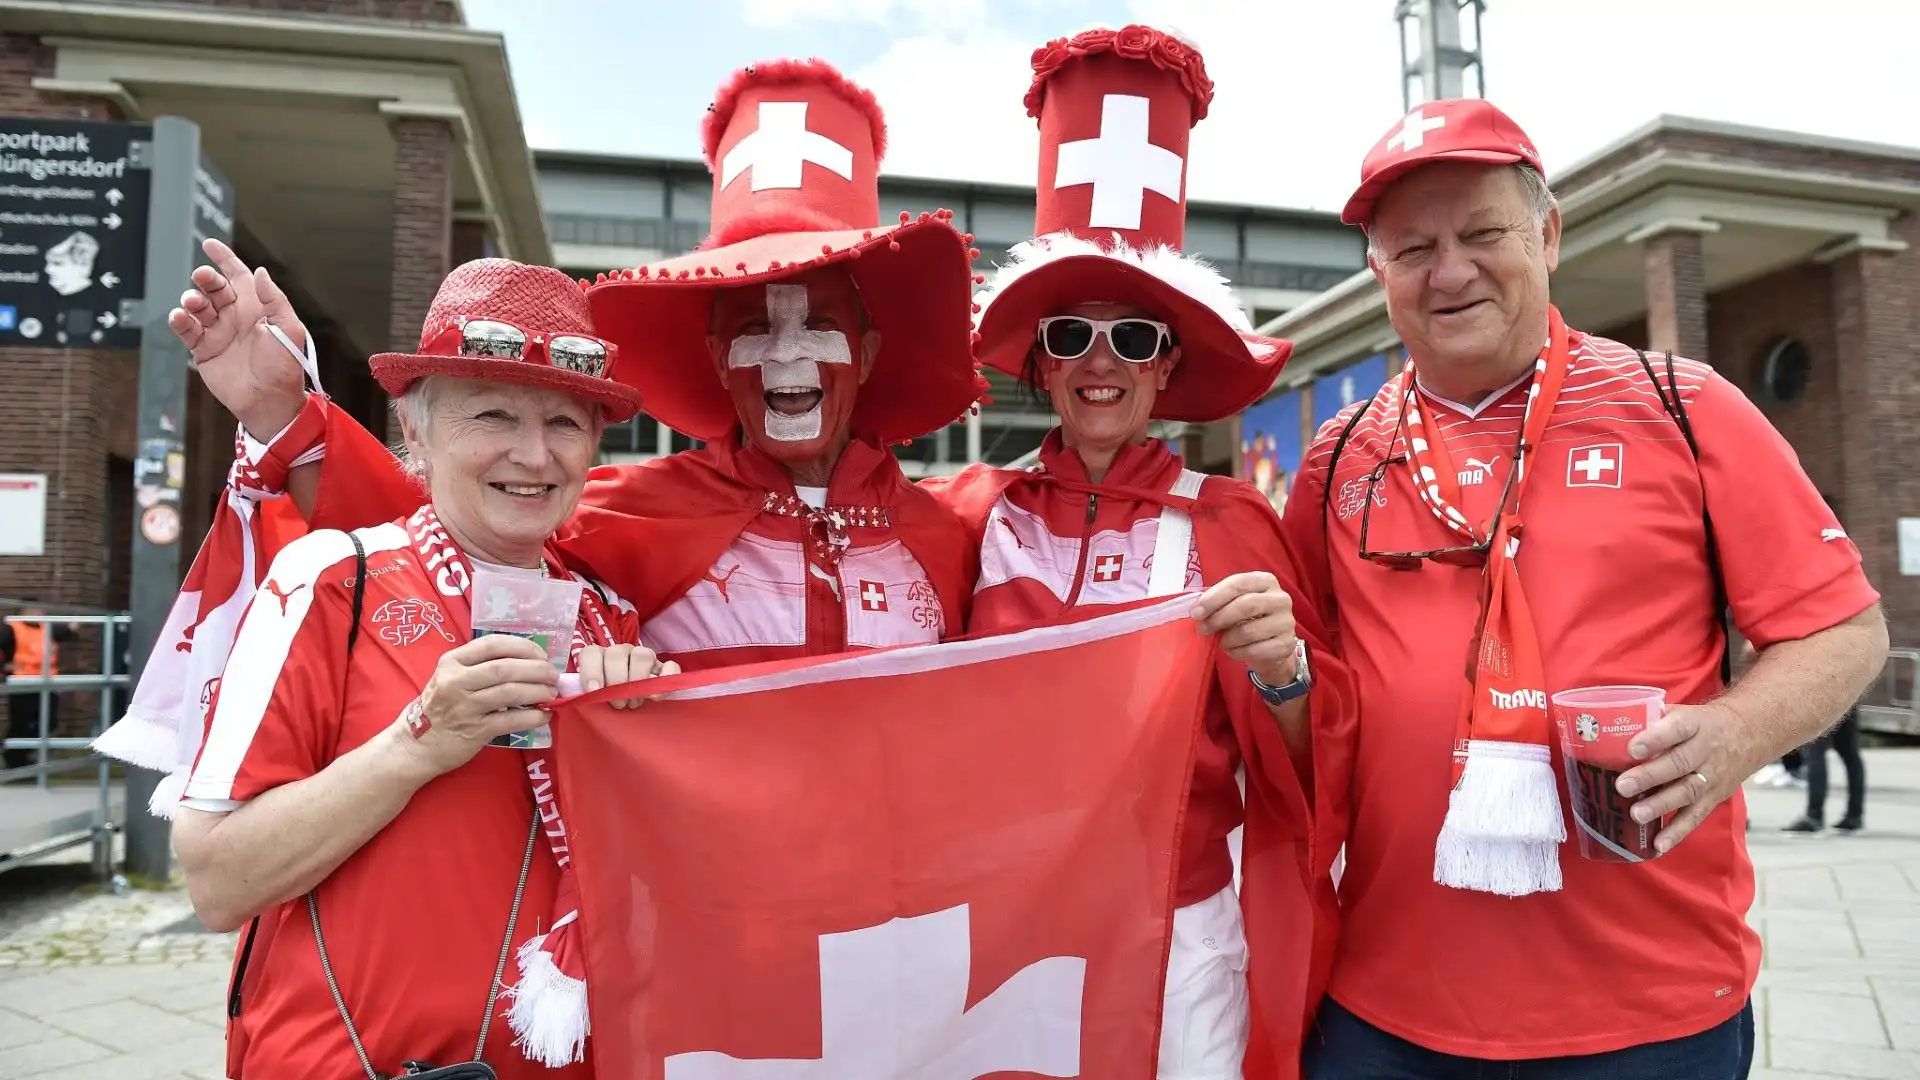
(794, 147)
(1116, 108)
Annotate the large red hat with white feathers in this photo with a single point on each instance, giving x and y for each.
(1116, 108)
(794, 148)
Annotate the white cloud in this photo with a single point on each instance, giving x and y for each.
(953, 107)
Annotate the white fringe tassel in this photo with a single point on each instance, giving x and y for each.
(167, 793)
(549, 1011)
(139, 739)
(1503, 828)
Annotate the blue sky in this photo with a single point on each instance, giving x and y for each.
(1304, 87)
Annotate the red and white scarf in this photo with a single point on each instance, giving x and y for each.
(166, 718)
(549, 1010)
(1503, 828)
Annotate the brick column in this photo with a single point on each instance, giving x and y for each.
(1876, 299)
(1676, 290)
(422, 226)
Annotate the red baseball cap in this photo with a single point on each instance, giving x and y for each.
(1454, 129)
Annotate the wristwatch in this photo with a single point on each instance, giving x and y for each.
(1302, 680)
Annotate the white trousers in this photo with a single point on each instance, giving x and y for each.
(1204, 1017)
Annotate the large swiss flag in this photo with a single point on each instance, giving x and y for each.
(942, 862)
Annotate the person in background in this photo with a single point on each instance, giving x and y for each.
(1473, 938)
(28, 649)
(1843, 739)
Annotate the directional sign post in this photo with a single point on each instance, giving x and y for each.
(73, 231)
(189, 201)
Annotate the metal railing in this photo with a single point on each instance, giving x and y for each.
(47, 818)
(1891, 706)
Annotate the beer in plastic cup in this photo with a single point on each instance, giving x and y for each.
(1596, 723)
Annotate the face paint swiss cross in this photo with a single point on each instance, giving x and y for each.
(789, 356)
(787, 353)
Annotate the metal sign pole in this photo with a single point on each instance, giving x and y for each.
(158, 472)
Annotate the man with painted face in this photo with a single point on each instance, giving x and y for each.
(800, 341)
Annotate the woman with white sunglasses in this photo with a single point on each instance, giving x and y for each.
(1104, 318)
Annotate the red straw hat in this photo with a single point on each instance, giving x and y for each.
(1116, 108)
(497, 320)
(1452, 129)
(795, 148)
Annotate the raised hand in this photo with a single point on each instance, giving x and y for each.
(223, 321)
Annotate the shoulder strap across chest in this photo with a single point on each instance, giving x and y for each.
(1174, 542)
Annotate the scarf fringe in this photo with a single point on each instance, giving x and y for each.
(140, 738)
(167, 794)
(1507, 792)
(1503, 828)
(549, 1011)
(1502, 867)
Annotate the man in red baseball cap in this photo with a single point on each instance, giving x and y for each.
(1472, 932)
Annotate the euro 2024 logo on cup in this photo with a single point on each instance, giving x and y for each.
(1587, 727)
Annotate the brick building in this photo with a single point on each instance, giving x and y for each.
(1789, 262)
(372, 145)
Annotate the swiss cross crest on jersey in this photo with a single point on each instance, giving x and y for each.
(1596, 465)
(1108, 567)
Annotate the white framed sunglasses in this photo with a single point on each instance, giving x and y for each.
(1069, 337)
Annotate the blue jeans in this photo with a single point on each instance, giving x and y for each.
(1344, 1047)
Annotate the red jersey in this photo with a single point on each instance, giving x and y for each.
(1617, 579)
(414, 919)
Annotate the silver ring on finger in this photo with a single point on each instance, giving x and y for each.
(1702, 777)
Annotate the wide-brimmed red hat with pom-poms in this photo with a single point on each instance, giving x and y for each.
(497, 320)
(795, 148)
(1116, 108)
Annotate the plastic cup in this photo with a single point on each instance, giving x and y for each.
(1596, 723)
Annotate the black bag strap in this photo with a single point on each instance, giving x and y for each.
(353, 635)
(1669, 392)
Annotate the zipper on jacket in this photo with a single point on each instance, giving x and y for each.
(1086, 542)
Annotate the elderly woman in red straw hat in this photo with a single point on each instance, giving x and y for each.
(1104, 317)
(358, 794)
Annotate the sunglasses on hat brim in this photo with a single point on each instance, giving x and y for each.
(1070, 337)
(498, 339)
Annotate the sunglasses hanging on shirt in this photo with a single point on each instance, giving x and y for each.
(1070, 337)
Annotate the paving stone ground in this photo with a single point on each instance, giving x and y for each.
(129, 987)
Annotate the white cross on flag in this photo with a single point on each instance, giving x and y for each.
(1122, 164)
(780, 147)
(873, 596)
(906, 863)
(1107, 567)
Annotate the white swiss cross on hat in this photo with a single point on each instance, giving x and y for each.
(779, 148)
(1122, 164)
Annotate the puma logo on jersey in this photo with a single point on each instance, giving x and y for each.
(1476, 471)
(274, 588)
(1519, 699)
(720, 582)
(1827, 536)
(1015, 533)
